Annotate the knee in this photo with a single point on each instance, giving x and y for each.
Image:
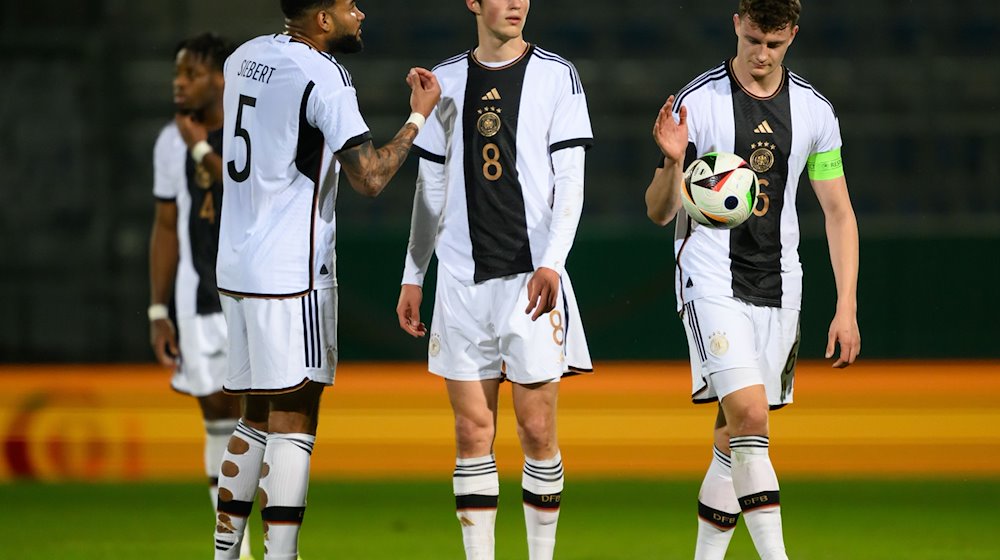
(537, 434)
(474, 435)
(748, 420)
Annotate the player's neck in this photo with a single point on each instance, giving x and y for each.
(299, 34)
(762, 86)
(495, 49)
(211, 117)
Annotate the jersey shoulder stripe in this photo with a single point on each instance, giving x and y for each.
(344, 74)
(803, 83)
(713, 75)
(452, 60)
(576, 84)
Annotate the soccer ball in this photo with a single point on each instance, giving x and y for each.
(720, 190)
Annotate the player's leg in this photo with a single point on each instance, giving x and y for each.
(718, 508)
(542, 476)
(475, 480)
(221, 413)
(754, 479)
(239, 476)
(284, 477)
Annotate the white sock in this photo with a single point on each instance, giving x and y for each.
(757, 488)
(477, 489)
(284, 481)
(217, 434)
(542, 486)
(238, 478)
(718, 509)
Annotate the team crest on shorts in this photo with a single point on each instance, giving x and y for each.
(718, 344)
(434, 346)
(762, 157)
(489, 121)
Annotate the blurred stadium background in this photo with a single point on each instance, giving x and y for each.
(85, 88)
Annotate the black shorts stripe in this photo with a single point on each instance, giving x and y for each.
(317, 330)
(692, 318)
(476, 501)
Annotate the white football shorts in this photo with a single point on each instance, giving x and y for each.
(734, 344)
(277, 345)
(204, 359)
(482, 332)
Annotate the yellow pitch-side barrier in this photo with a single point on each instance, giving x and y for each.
(628, 420)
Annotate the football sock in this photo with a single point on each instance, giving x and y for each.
(476, 492)
(238, 478)
(217, 434)
(718, 509)
(756, 486)
(542, 486)
(284, 481)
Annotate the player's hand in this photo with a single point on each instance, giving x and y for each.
(425, 91)
(163, 337)
(671, 136)
(408, 310)
(543, 292)
(191, 130)
(844, 330)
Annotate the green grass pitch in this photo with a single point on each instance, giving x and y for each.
(601, 520)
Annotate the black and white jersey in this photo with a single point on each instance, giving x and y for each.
(494, 132)
(177, 178)
(288, 109)
(757, 262)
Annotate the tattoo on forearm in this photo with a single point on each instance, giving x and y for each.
(375, 167)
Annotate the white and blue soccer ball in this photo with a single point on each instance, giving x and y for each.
(720, 190)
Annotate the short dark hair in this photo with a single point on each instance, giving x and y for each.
(209, 47)
(294, 9)
(771, 15)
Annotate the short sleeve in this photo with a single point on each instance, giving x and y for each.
(571, 119)
(431, 143)
(335, 112)
(169, 155)
(827, 130)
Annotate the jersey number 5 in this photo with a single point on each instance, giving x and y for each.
(240, 176)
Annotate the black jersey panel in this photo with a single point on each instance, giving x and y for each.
(763, 137)
(203, 227)
(497, 223)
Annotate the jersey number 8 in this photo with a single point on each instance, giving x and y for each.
(492, 169)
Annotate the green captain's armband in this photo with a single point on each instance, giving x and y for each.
(825, 165)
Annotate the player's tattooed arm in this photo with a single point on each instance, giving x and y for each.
(369, 170)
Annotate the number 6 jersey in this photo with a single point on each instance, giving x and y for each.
(494, 131)
(288, 109)
(757, 262)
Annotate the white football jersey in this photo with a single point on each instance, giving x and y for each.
(177, 178)
(757, 262)
(288, 109)
(494, 130)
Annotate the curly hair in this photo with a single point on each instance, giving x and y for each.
(211, 48)
(771, 15)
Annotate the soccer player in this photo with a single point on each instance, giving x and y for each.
(185, 237)
(739, 291)
(499, 195)
(292, 123)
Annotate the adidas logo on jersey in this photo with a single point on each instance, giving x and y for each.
(323, 270)
(763, 128)
(492, 95)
